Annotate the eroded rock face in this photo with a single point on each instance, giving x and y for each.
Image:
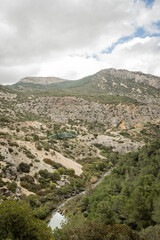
(119, 144)
(10, 171)
(62, 109)
(7, 156)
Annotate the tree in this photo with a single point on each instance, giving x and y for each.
(95, 231)
(56, 175)
(17, 222)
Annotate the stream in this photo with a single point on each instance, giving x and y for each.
(57, 218)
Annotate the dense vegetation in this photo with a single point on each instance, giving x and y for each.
(95, 231)
(130, 195)
(17, 222)
(134, 180)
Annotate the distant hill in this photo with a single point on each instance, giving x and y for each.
(38, 82)
(106, 80)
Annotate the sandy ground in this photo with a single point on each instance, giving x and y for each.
(53, 155)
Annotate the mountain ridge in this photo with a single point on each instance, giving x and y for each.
(41, 80)
(138, 77)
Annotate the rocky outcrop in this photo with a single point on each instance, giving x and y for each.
(62, 109)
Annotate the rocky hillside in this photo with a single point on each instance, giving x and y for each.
(62, 109)
(109, 112)
(40, 80)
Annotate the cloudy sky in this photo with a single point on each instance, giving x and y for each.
(74, 38)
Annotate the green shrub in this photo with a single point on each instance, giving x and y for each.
(41, 212)
(28, 178)
(56, 175)
(24, 167)
(29, 154)
(17, 222)
(12, 186)
(39, 147)
(35, 137)
(1, 182)
(32, 187)
(94, 231)
(46, 146)
(45, 174)
(1, 157)
(52, 186)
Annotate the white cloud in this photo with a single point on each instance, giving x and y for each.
(139, 54)
(61, 38)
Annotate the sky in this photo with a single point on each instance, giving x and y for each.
(71, 39)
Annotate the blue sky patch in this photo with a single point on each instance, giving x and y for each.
(149, 3)
(140, 32)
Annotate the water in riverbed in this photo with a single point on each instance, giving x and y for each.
(56, 220)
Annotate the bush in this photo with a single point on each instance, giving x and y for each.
(42, 212)
(28, 178)
(1, 182)
(56, 175)
(1, 157)
(12, 186)
(39, 147)
(29, 154)
(17, 222)
(46, 146)
(48, 161)
(95, 231)
(52, 186)
(35, 137)
(70, 171)
(24, 167)
(30, 186)
(151, 233)
(10, 150)
(45, 174)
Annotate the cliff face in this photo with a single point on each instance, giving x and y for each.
(62, 109)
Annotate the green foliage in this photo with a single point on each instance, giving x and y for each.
(52, 163)
(45, 174)
(134, 180)
(12, 186)
(1, 182)
(17, 222)
(1, 157)
(35, 137)
(28, 178)
(151, 233)
(24, 167)
(39, 147)
(32, 187)
(70, 171)
(46, 146)
(42, 212)
(52, 186)
(56, 175)
(4, 119)
(95, 231)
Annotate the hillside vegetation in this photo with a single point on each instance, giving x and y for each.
(130, 195)
(111, 118)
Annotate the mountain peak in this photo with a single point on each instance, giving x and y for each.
(138, 77)
(41, 80)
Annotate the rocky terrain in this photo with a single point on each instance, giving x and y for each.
(62, 109)
(109, 112)
(41, 80)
